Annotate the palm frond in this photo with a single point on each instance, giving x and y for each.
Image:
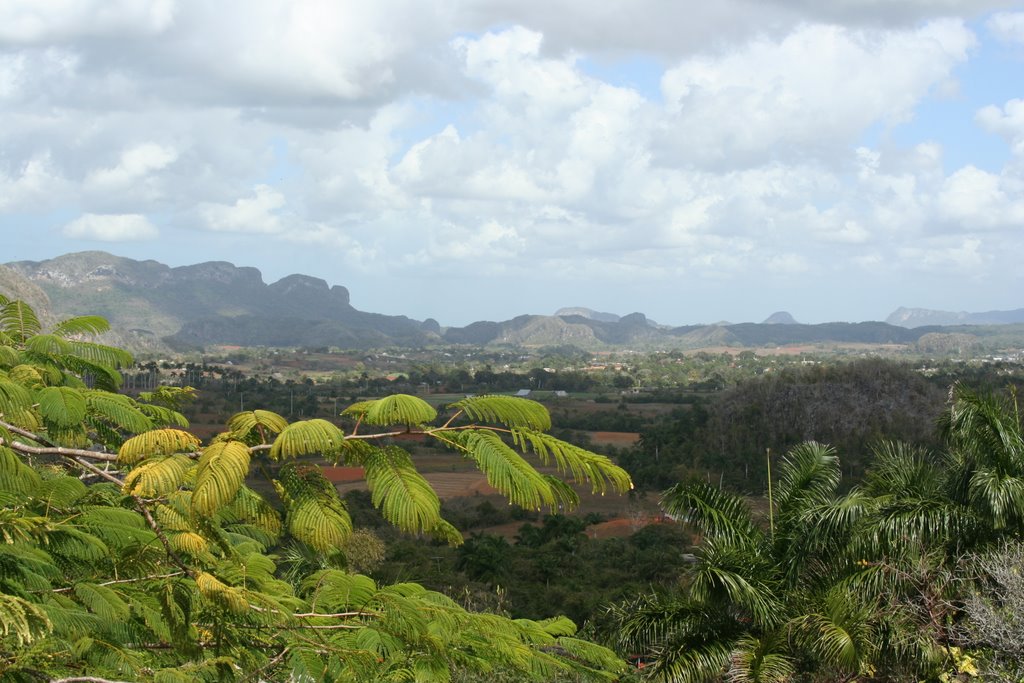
(809, 475)
(511, 411)
(712, 512)
(760, 660)
(735, 575)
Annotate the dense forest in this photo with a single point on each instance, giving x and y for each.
(856, 520)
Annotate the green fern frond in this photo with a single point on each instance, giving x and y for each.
(59, 492)
(103, 601)
(61, 406)
(250, 509)
(163, 416)
(222, 469)
(566, 498)
(9, 356)
(83, 324)
(445, 531)
(21, 620)
(157, 476)
(243, 424)
(34, 376)
(323, 528)
(70, 543)
(156, 442)
(511, 411)
(47, 345)
(14, 398)
(400, 492)
(221, 594)
(16, 476)
(19, 321)
(189, 543)
(121, 411)
(581, 464)
(117, 527)
(316, 515)
(100, 354)
(506, 470)
(307, 437)
(399, 409)
(336, 590)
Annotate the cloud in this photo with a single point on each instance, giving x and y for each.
(635, 141)
(1007, 26)
(135, 164)
(256, 214)
(811, 93)
(980, 200)
(111, 228)
(41, 21)
(1007, 122)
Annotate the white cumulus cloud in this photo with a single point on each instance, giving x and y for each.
(111, 228)
(256, 214)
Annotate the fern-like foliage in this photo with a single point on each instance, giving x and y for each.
(398, 409)
(61, 407)
(316, 515)
(308, 437)
(156, 442)
(511, 411)
(21, 620)
(506, 470)
(580, 463)
(158, 476)
(120, 412)
(83, 324)
(401, 493)
(222, 468)
(18, 321)
(262, 423)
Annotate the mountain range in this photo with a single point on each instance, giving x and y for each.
(156, 306)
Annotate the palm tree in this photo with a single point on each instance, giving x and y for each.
(759, 603)
(838, 585)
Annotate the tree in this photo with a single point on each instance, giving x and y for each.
(837, 586)
(132, 550)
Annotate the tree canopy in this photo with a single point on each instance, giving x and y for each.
(133, 550)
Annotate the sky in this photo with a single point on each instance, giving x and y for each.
(480, 159)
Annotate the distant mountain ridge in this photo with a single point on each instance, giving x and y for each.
(212, 303)
(217, 303)
(920, 317)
